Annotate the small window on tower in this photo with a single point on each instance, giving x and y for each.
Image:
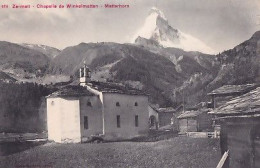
(81, 72)
(89, 104)
(136, 104)
(117, 104)
(89, 75)
(52, 103)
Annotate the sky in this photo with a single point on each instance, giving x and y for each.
(221, 24)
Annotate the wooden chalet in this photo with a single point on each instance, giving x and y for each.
(195, 121)
(225, 93)
(163, 118)
(240, 130)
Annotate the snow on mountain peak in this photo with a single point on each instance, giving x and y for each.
(157, 28)
(149, 26)
(158, 12)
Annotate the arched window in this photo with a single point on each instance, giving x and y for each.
(136, 104)
(152, 121)
(89, 104)
(117, 104)
(52, 103)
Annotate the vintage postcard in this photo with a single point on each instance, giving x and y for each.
(129, 83)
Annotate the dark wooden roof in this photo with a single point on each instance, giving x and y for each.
(71, 91)
(166, 110)
(163, 110)
(107, 87)
(193, 113)
(233, 89)
(245, 105)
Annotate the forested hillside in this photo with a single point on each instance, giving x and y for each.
(22, 107)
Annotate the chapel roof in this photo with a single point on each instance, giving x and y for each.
(71, 91)
(108, 87)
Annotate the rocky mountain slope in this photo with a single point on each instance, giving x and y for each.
(167, 74)
(6, 78)
(241, 64)
(25, 64)
(22, 61)
(159, 73)
(51, 52)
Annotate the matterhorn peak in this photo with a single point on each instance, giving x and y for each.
(157, 28)
(158, 12)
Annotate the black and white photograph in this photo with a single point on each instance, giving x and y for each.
(129, 84)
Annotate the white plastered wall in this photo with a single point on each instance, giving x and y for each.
(53, 119)
(63, 119)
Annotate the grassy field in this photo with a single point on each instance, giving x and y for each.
(178, 152)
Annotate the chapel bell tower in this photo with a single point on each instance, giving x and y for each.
(84, 75)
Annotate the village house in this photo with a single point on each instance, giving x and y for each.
(75, 113)
(240, 130)
(225, 93)
(195, 121)
(166, 116)
(163, 117)
(153, 117)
